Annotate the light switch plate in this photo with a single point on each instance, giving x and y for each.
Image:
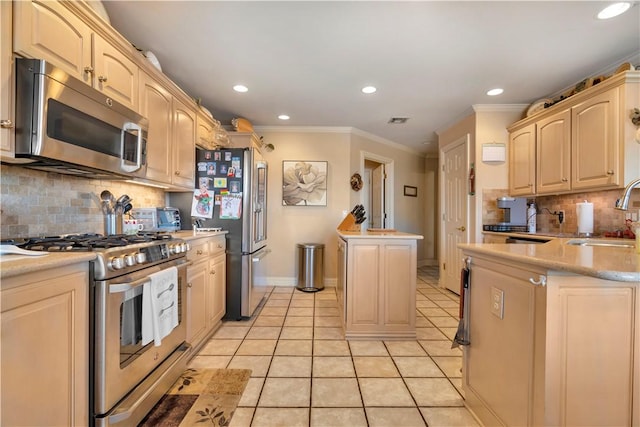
(497, 302)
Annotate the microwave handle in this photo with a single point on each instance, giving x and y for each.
(126, 168)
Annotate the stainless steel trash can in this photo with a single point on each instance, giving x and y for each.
(310, 267)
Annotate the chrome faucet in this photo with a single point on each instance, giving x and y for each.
(623, 203)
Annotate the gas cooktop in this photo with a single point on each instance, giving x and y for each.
(85, 242)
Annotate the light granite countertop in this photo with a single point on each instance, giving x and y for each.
(14, 265)
(190, 235)
(610, 263)
(381, 234)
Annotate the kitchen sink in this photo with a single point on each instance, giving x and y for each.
(602, 242)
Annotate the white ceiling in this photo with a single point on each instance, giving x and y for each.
(431, 61)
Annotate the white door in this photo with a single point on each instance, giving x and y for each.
(377, 197)
(454, 212)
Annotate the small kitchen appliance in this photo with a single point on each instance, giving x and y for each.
(127, 378)
(514, 215)
(158, 219)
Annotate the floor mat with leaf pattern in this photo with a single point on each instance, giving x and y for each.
(203, 397)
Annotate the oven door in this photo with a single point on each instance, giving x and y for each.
(121, 362)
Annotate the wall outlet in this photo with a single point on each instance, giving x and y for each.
(497, 302)
(561, 217)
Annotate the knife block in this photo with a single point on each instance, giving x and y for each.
(349, 224)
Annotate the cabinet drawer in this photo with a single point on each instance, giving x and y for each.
(199, 250)
(218, 245)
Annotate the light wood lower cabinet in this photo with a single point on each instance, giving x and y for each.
(206, 292)
(567, 353)
(379, 294)
(45, 348)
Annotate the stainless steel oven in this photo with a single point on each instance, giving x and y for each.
(130, 377)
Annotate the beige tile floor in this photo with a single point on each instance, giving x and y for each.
(304, 373)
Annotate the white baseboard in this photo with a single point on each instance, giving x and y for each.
(427, 263)
(292, 281)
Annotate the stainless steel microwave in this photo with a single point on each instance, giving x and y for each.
(64, 125)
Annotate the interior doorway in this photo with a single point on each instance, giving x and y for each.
(377, 192)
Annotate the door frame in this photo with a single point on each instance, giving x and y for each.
(388, 183)
(466, 141)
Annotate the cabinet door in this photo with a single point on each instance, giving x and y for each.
(7, 118)
(197, 277)
(47, 30)
(522, 161)
(398, 287)
(155, 104)
(363, 279)
(553, 145)
(204, 133)
(184, 134)
(45, 350)
(115, 75)
(596, 147)
(217, 287)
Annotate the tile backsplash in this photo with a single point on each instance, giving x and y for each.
(606, 218)
(37, 203)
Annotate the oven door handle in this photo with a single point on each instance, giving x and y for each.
(116, 288)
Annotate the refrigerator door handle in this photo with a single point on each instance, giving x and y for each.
(260, 254)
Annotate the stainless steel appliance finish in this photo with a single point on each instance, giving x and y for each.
(127, 378)
(65, 126)
(158, 219)
(247, 233)
(514, 210)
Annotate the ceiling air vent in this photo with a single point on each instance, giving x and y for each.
(398, 120)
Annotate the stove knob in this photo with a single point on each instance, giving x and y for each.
(182, 248)
(141, 257)
(117, 263)
(172, 249)
(130, 260)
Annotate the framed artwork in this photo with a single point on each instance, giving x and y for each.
(410, 191)
(304, 183)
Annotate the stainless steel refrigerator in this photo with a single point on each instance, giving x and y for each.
(235, 179)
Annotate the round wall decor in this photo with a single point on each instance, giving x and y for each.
(356, 182)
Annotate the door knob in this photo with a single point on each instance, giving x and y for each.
(6, 124)
(461, 228)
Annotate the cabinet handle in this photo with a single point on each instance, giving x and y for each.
(102, 79)
(564, 179)
(199, 252)
(6, 124)
(88, 70)
(610, 172)
(542, 281)
(461, 228)
(189, 285)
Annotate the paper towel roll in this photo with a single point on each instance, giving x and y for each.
(584, 212)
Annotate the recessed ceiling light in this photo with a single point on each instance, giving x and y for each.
(369, 89)
(283, 117)
(614, 10)
(494, 92)
(241, 88)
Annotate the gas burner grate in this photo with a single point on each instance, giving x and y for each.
(86, 242)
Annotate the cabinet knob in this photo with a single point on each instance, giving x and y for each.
(610, 172)
(189, 285)
(530, 185)
(102, 79)
(199, 252)
(177, 172)
(88, 70)
(212, 272)
(6, 124)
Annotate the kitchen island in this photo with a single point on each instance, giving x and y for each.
(377, 284)
(554, 334)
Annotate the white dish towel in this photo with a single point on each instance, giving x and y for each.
(159, 306)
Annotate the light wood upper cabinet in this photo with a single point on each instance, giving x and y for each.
(596, 146)
(45, 348)
(522, 161)
(184, 136)
(114, 74)
(7, 115)
(205, 133)
(47, 30)
(156, 105)
(50, 31)
(553, 149)
(586, 142)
